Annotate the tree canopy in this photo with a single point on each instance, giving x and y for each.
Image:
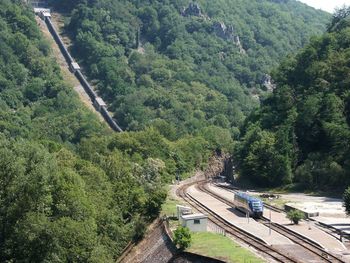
(71, 190)
(192, 65)
(301, 132)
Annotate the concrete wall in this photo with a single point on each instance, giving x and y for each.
(201, 227)
(186, 257)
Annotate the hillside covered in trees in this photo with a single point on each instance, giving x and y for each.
(71, 190)
(301, 133)
(185, 67)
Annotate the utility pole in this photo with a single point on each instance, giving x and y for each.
(270, 224)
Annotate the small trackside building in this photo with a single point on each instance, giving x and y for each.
(195, 222)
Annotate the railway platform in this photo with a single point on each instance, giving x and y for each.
(337, 224)
(304, 228)
(238, 219)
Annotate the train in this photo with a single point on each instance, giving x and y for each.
(101, 107)
(248, 204)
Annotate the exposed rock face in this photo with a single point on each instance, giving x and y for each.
(268, 83)
(239, 45)
(228, 33)
(220, 30)
(193, 9)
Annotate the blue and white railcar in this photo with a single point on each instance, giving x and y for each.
(249, 204)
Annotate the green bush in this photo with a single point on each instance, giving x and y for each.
(182, 237)
(346, 200)
(295, 216)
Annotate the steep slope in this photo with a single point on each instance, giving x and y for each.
(183, 66)
(70, 189)
(301, 132)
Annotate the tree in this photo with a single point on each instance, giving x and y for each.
(339, 19)
(140, 228)
(346, 200)
(182, 237)
(260, 158)
(295, 216)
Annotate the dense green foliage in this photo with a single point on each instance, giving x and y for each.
(70, 189)
(346, 200)
(73, 191)
(182, 237)
(34, 102)
(301, 132)
(295, 216)
(152, 63)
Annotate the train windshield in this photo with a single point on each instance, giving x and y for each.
(257, 205)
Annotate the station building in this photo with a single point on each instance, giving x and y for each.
(195, 222)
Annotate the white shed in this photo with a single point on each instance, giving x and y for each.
(195, 222)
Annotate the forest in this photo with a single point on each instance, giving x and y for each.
(71, 190)
(301, 134)
(181, 79)
(185, 66)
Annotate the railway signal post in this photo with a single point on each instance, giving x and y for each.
(270, 224)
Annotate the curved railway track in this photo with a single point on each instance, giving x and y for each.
(305, 243)
(234, 189)
(234, 231)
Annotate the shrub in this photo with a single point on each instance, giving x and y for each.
(346, 200)
(295, 216)
(182, 237)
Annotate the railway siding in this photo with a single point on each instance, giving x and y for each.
(308, 231)
(238, 219)
(303, 243)
(269, 252)
(301, 249)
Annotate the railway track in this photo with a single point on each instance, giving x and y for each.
(234, 231)
(305, 243)
(95, 99)
(234, 189)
